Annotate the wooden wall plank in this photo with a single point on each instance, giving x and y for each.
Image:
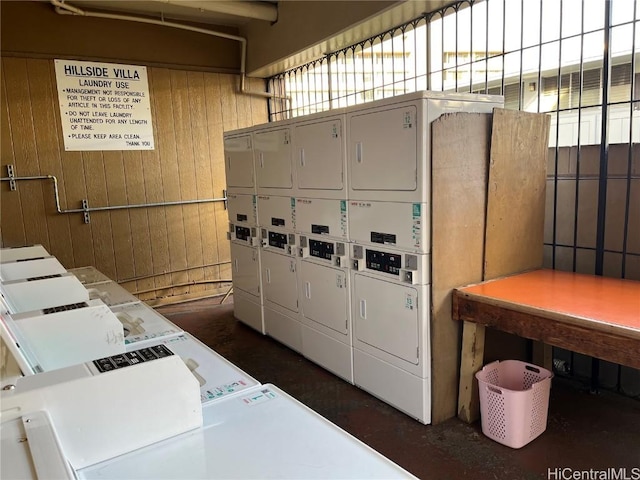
(120, 219)
(169, 164)
(154, 191)
(101, 228)
(12, 233)
(220, 219)
(139, 221)
(204, 183)
(459, 164)
(25, 153)
(516, 199)
(259, 110)
(48, 152)
(182, 120)
(228, 100)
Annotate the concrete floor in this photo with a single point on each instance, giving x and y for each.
(584, 431)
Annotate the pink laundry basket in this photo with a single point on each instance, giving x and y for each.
(514, 401)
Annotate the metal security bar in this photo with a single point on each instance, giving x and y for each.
(577, 61)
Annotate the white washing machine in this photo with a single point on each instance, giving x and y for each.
(142, 323)
(247, 285)
(89, 275)
(264, 433)
(218, 378)
(388, 143)
(238, 162)
(11, 254)
(43, 292)
(276, 211)
(279, 265)
(30, 268)
(273, 157)
(391, 340)
(111, 293)
(395, 224)
(325, 304)
(321, 216)
(319, 155)
(52, 338)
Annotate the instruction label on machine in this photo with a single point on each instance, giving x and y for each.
(104, 106)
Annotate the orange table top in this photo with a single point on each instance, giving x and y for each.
(601, 299)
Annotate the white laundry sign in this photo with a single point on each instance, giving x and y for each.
(104, 106)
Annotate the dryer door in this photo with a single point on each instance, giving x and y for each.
(386, 317)
(324, 295)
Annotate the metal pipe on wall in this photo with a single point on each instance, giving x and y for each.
(85, 210)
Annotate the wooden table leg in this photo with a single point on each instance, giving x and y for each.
(471, 361)
(543, 355)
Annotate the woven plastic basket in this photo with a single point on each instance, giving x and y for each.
(514, 401)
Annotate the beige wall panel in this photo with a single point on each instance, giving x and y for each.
(120, 219)
(259, 111)
(154, 191)
(101, 228)
(228, 86)
(48, 151)
(589, 162)
(170, 178)
(13, 233)
(74, 190)
(565, 211)
(191, 219)
(618, 160)
(24, 149)
(585, 261)
(516, 192)
(139, 221)
(459, 163)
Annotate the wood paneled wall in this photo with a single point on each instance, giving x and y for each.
(144, 249)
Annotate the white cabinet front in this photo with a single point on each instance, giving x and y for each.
(383, 149)
(273, 159)
(320, 155)
(246, 268)
(279, 280)
(386, 317)
(325, 295)
(239, 161)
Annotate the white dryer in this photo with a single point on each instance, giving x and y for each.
(391, 339)
(247, 284)
(279, 263)
(238, 162)
(273, 157)
(388, 143)
(325, 304)
(319, 155)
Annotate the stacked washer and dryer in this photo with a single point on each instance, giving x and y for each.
(347, 282)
